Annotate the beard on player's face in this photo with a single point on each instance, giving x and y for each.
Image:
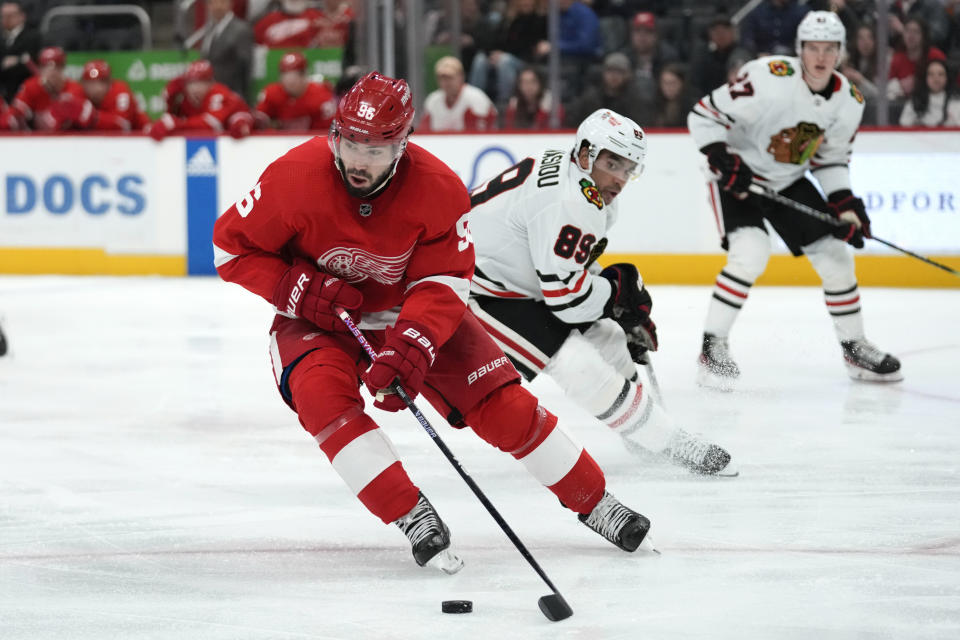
(361, 182)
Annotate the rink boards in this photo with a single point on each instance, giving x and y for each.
(128, 205)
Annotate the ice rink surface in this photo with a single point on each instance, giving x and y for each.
(153, 485)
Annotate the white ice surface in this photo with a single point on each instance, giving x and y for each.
(153, 485)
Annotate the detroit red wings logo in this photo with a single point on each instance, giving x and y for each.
(356, 265)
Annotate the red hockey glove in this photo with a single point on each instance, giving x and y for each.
(307, 293)
(849, 208)
(66, 112)
(240, 124)
(406, 357)
(732, 172)
(161, 128)
(630, 304)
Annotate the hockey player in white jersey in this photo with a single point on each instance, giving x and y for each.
(538, 229)
(780, 117)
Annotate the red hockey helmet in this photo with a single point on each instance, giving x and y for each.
(376, 110)
(199, 70)
(293, 61)
(96, 70)
(52, 55)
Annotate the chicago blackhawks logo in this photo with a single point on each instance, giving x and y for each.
(796, 144)
(780, 68)
(856, 93)
(591, 193)
(355, 265)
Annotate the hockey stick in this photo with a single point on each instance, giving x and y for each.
(654, 383)
(553, 606)
(770, 194)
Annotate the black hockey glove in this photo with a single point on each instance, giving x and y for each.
(629, 305)
(849, 208)
(733, 174)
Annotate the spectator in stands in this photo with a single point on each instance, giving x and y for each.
(295, 102)
(19, 44)
(708, 70)
(205, 105)
(115, 105)
(579, 32)
(294, 24)
(519, 42)
(333, 24)
(228, 45)
(647, 53)
(530, 105)
(771, 28)
(935, 102)
(674, 99)
(860, 67)
(914, 54)
(50, 101)
(456, 105)
(479, 32)
(930, 12)
(617, 91)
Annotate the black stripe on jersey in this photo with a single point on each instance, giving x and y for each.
(710, 118)
(737, 280)
(616, 403)
(719, 110)
(552, 277)
(481, 274)
(572, 303)
(827, 166)
(846, 313)
(727, 302)
(840, 293)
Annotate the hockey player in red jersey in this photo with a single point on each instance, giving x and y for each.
(296, 102)
(377, 226)
(50, 101)
(116, 107)
(202, 105)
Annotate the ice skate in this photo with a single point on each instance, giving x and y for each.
(700, 456)
(865, 362)
(429, 537)
(619, 524)
(717, 369)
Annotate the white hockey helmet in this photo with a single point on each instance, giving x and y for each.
(606, 129)
(822, 26)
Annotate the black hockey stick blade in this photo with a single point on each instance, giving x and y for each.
(554, 607)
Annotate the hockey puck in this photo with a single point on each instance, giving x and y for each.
(456, 606)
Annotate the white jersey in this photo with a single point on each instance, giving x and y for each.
(472, 111)
(771, 119)
(536, 229)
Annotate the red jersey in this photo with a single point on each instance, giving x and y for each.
(279, 30)
(213, 112)
(119, 110)
(314, 109)
(31, 108)
(408, 247)
(903, 67)
(333, 27)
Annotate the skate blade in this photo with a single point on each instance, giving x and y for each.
(856, 373)
(446, 561)
(709, 380)
(729, 471)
